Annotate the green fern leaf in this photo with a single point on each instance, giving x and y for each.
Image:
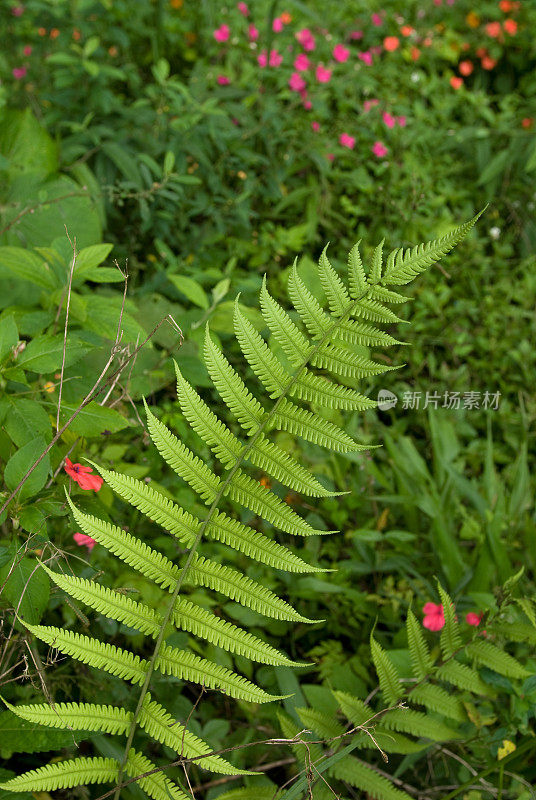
(450, 640)
(284, 468)
(374, 311)
(366, 779)
(404, 265)
(357, 280)
(387, 673)
(488, 655)
(161, 726)
(376, 264)
(293, 342)
(157, 785)
(338, 298)
(76, 716)
(264, 364)
(463, 677)
(232, 389)
(418, 649)
(65, 775)
(357, 712)
(323, 724)
(387, 295)
(320, 391)
(346, 364)
(434, 698)
(392, 742)
(313, 428)
(418, 724)
(311, 312)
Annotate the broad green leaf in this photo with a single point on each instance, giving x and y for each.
(9, 336)
(20, 736)
(25, 420)
(20, 463)
(26, 144)
(20, 263)
(27, 589)
(190, 289)
(44, 353)
(93, 419)
(89, 258)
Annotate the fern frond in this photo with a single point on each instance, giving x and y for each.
(387, 673)
(76, 716)
(334, 289)
(322, 392)
(404, 265)
(187, 666)
(156, 785)
(161, 726)
(112, 604)
(239, 587)
(488, 655)
(357, 280)
(100, 655)
(450, 640)
(313, 428)
(374, 311)
(323, 724)
(392, 742)
(255, 545)
(295, 345)
(418, 724)
(463, 677)
(366, 779)
(262, 361)
(284, 468)
(376, 263)
(233, 391)
(202, 623)
(434, 698)
(347, 364)
(357, 712)
(64, 775)
(418, 649)
(311, 312)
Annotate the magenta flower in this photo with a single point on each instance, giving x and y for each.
(315, 126)
(347, 141)
(244, 10)
(306, 39)
(380, 150)
(330, 156)
(223, 80)
(277, 25)
(434, 616)
(275, 59)
(307, 104)
(341, 53)
(301, 63)
(368, 104)
(388, 119)
(323, 74)
(19, 73)
(253, 33)
(27, 50)
(82, 539)
(401, 121)
(356, 35)
(366, 57)
(296, 82)
(376, 20)
(222, 33)
(473, 619)
(17, 11)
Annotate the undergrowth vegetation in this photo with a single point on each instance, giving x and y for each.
(253, 524)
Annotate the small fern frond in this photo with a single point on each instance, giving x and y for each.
(367, 780)
(421, 725)
(313, 428)
(294, 344)
(334, 289)
(463, 677)
(322, 392)
(354, 709)
(387, 673)
(450, 640)
(284, 468)
(434, 698)
(376, 263)
(421, 662)
(64, 775)
(156, 785)
(76, 716)
(357, 280)
(489, 655)
(323, 724)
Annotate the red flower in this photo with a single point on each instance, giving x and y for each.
(474, 619)
(434, 617)
(391, 43)
(456, 82)
(83, 476)
(82, 538)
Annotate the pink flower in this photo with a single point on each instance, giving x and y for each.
(296, 82)
(17, 11)
(307, 105)
(368, 104)
(473, 619)
(366, 57)
(223, 80)
(277, 25)
(244, 10)
(377, 20)
(434, 616)
(19, 73)
(376, 50)
(356, 35)
(306, 39)
(253, 33)
(380, 150)
(330, 156)
(262, 59)
(315, 126)
(275, 58)
(81, 539)
(388, 119)
(401, 121)
(301, 62)
(323, 74)
(82, 475)
(27, 50)
(341, 53)
(347, 141)
(222, 33)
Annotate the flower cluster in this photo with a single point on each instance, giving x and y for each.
(434, 617)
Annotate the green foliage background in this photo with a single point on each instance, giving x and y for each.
(120, 133)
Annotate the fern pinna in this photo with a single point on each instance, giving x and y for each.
(329, 339)
(416, 715)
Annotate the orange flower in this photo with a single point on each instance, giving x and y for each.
(175, 3)
(415, 53)
(391, 43)
(465, 67)
(54, 33)
(427, 42)
(466, 46)
(493, 29)
(42, 31)
(506, 6)
(456, 82)
(472, 19)
(285, 18)
(113, 51)
(76, 35)
(481, 52)
(510, 26)
(488, 62)
(527, 122)
(265, 481)
(49, 387)
(407, 30)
